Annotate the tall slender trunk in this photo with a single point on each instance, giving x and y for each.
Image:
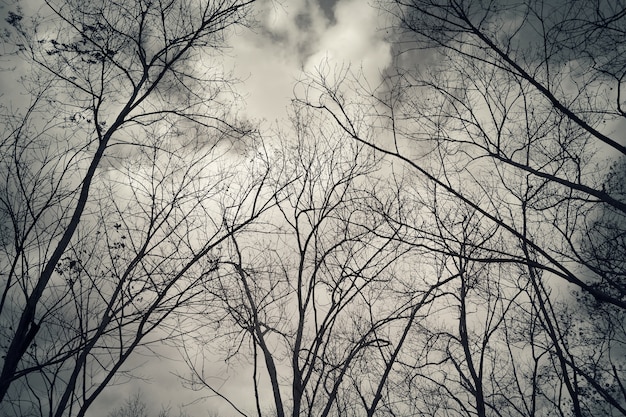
(27, 328)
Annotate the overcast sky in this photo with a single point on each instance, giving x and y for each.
(299, 35)
(292, 37)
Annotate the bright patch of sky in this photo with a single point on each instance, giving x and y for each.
(298, 36)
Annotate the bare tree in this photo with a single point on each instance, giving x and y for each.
(511, 112)
(114, 193)
(319, 298)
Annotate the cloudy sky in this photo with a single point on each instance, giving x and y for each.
(292, 37)
(297, 36)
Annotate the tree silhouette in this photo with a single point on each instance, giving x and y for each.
(109, 188)
(509, 113)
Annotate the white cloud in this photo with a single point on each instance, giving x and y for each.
(297, 36)
(354, 40)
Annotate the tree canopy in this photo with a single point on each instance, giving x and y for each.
(449, 240)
